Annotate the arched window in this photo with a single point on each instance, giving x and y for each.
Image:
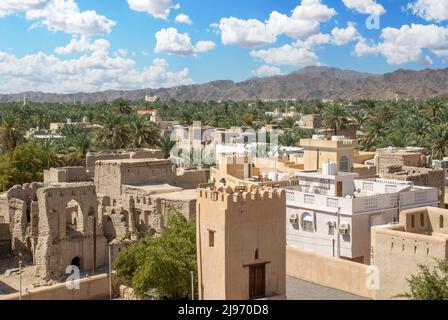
(74, 217)
(307, 222)
(412, 221)
(422, 219)
(344, 164)
(441, 222)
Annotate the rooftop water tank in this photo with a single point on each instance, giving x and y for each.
(330, 168)
(319, 137)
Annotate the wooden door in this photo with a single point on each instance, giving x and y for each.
(339, 189)
(257, 281)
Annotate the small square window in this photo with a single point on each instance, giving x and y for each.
(308, 226)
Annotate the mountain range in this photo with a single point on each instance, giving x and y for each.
(308, 83)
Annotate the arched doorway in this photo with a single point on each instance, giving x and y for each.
(76, 261)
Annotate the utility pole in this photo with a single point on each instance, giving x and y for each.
(339, 234)
(94, 246)
(192, 285)
(110, 271)
(20, 280)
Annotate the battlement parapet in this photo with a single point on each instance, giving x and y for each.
(240, 194)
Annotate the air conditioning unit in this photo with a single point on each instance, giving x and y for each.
(344, 229)
(293, 219)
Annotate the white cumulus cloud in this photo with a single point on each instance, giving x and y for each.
(245, 33)
(83, 44)
(313, 10)
(365, 6)
(288, 55)
(408, 44)
(59, 15)
(267, 71)
(95, 70)
(430, 10)
(304, 22)
(157, 8)
(343, 36)
(171, 41)
(8, 7)
(183, 18)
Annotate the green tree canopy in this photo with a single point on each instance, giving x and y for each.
(335, 117)
(26, 164)
(166, 145)
(429, 283)
(113, 132)
(162, 265)
(142, 132)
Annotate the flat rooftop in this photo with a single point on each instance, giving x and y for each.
(154, 188)
(319, 175)
(184, 195)
(135, 161)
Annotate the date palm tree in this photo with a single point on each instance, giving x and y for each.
(122, 106)
(438, 140)
(166, 145)
(143, 132)
(373, 131)
(40, 119)
(360, 116)
(433, 107)
(335, 117)
(12, 130)
(397, 139)
(113, 133)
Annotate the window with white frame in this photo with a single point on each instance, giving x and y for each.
(309, 199)
(307, 222)
(332, 203)
(290, 196)
(331, 228)
(367, 186)
(324, 184)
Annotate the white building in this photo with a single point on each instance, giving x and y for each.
(331, 213)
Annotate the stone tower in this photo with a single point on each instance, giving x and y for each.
(241, 243)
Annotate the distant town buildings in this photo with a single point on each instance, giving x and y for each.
(311, 121)
(151, 98)
(84, 125)
(153, 115)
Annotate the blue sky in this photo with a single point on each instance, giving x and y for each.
(130, 44)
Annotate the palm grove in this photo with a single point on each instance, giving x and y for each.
(382, 124)
(143, 265)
